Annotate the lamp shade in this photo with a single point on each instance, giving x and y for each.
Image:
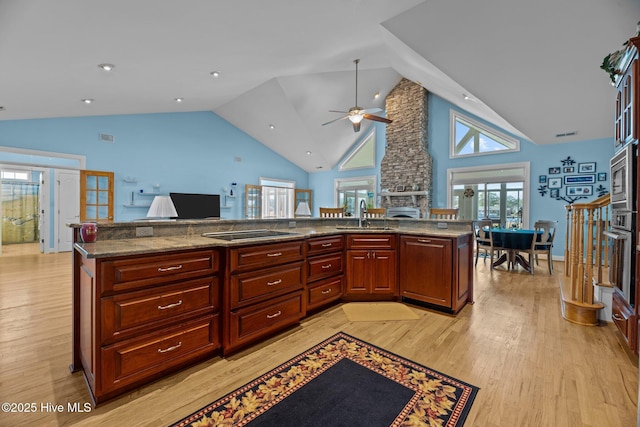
(303, 209)
(162, 207)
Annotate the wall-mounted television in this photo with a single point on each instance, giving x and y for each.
(196, 206)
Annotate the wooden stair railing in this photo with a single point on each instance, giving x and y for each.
(586, 261)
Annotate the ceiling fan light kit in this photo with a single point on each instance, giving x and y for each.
(357, 114)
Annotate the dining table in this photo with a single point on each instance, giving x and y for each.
(512, 240)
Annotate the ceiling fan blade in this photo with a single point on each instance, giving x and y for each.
(377, 118)
(335, 120)
(356, 126)
(371, 110)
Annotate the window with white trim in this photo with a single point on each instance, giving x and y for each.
(472, 138)
(363, 156)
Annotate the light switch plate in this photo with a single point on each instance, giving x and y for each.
(443, 225)
(144, 231)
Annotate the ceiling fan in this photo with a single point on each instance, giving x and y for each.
(357, 114)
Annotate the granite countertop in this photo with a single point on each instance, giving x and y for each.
(146, 245)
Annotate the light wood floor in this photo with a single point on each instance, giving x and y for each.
(533, 368)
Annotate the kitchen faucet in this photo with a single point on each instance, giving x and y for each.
(363, 222)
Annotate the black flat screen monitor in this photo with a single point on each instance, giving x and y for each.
(196, 206)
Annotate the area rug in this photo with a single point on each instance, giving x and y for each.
(343, 382)
(378, 311)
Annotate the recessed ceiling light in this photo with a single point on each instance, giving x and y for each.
(106, 67)
(308, 153)
(376, 95)
(87, 100)
(179, 99)
(272, 126)
(215, 73)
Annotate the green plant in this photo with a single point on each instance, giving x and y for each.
(611, 61)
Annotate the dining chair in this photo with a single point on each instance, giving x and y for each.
(443, 213)
(376, 213)
(331, 212)
(484, 240)
(542, 242)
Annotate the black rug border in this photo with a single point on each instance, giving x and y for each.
(247, 386)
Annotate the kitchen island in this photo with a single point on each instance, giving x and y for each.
(144, 307)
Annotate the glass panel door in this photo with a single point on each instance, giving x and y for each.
(96, 196)
(501, 202)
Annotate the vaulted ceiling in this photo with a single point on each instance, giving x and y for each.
(531, 68)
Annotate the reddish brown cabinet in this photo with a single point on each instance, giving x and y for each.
(325, 278)
(627, 99)
(371, 266)
(144, 316)
(436, 270)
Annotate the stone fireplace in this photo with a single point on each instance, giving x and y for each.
(407, 161)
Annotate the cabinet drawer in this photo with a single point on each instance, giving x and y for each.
(138, 360)
(133, 312)
(321, 245)
(324, 291)
(324, 266)
(621, 315)
(371, 241)
(265, 255)
(250, 323)
(132, 273)
(254, 286)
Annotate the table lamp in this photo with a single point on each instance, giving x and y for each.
(162, 208)
(303, 209)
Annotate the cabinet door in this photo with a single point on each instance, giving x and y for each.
(383, 271)
(357, 272)
(425, 270)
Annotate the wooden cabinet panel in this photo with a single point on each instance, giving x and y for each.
(265, 255)
(371, 241)
(126, 314)
(357, 272)
(371, 266)
(383, 278)
(623, 317)
(324, 266)
(253, 322)
(132, 361)
(426, 270)
(320, 245)
(137, 272)
(324, 291)
(253, 286)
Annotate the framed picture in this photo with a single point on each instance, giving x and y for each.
(554, 171)
(568, 169)
(579, 179)
(580, 190)
(555, 183)
(542, 179)
(602, 176)
(555, 193)
(587, 167)
(399, 188)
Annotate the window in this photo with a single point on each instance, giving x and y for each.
(497, 192)
(278, 198)
(471, 138)
(351, 191)
(364, 155)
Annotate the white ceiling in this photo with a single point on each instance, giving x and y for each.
(531, 67)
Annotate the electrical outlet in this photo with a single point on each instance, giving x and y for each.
(292, 224)
(144, 231)
(443, 225)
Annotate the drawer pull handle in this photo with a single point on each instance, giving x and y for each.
(324, 267)
(274, 315)
(275, 254)
(328, 291)
(164, 307)
(424, 240)
(327, 245)
(175, 347)
(275, 282)
(175, 267)
(618, 318)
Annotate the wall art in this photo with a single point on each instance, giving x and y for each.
(542, 179)
(554, 171)
(555, 182)
(602, 176)
(579, 179)
(586, 167)
(568, 169)
(580, 190)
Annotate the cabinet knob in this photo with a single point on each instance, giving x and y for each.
(175, 267)
(325, 267)
(164, 307)
(275, 282)
(175, 347)
(271, 316)
(275, 254)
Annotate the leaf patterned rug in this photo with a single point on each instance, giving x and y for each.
(343, 381)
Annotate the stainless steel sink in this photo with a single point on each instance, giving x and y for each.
(247, 234)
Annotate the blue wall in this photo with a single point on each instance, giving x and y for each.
(183, 152)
